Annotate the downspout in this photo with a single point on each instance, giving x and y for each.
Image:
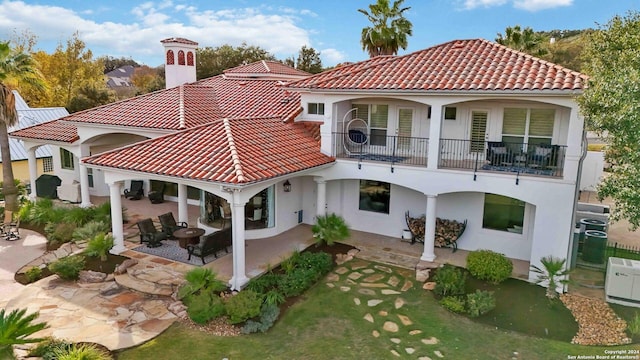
(576, 197)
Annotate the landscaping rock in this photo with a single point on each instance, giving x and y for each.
(597, 323)
(122, 268)
(91, 277)
(368, 317)
(423, 275)
(429, 285)
(390, 327)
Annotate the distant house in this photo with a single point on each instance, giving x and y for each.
(28, 116)
(119, 80)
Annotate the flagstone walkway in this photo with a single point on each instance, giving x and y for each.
(376, 287)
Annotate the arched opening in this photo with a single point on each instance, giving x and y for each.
(190, 58)
(170, 57)
(180, 57)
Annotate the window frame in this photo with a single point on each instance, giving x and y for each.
(47, 164)
(367, 204)
(526, 137)
(315, 108)
(509, 204)
(66, 156)
(377, 135)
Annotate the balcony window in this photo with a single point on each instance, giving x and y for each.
(528, 126)
(503, 213)
(374, 196)
(315, 108)
(377, 117)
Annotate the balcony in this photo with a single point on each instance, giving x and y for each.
(487, 156)
(498, 156)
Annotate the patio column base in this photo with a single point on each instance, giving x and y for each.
(117, 249)
(428, 257)
(237, 283)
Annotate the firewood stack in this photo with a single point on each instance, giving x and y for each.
(447, 231)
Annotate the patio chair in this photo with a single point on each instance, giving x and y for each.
(211, 244)
(149, 234)
(10, 227)
(135, 191)
(542, 155)
(169, 224)
(498, 153)
(157, 197)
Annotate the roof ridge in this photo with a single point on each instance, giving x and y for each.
(353, 66)
(266, 66)
(235, 158)
(181, 123)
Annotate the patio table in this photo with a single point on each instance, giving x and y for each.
(187, 236)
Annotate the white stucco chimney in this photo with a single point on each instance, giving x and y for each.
(179, 61)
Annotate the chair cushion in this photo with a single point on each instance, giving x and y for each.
(542, 151)
(499, 150)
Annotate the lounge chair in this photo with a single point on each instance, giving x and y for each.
(157, 197)
(211, 244)
(135, 191)
(149, 234)
(169, 224)
(10, 227)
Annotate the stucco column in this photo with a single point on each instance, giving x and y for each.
(321, 201)
(116, 217)
(84, 186)
(183, 209)
(430, 229)
(239, 277)
(33, 172)
(435, 124)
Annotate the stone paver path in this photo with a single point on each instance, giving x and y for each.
(376, 287)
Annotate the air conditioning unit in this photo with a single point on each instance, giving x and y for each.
(622, 285)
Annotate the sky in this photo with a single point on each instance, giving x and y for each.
(133, 29)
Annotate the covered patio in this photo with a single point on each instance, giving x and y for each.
(265, 253)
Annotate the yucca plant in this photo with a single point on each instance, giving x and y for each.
(329, 229)
(15, 327)
(553, 272)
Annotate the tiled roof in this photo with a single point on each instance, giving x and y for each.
(232, 151)
(266, 67)
(460, 65)
(179, 40)
(55, 130)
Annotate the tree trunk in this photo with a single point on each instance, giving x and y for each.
(9, 189)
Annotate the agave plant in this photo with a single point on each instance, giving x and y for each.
(553, 272)
(329, 229)
(14, 329)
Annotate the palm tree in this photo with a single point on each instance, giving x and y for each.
(14, 329)
(21, 67)
(526, 40)
(329, 229)
(389, 30)
(553, 272)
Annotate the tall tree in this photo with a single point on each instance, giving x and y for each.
(90, 96)
(147, 79)
(610, 106)
(309, 60)
(22, 67)
(526, 40)
(213, 61)
(389, 28)
(111, 63)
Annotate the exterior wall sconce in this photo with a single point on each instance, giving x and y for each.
(287, 186)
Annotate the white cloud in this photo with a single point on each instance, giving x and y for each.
(535, 5)
(472, 4)
(331, 57)
(139, 36)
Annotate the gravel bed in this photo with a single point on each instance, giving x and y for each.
(597, 323)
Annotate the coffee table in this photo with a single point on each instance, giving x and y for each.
(187, 236)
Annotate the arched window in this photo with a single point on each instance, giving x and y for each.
(180, 57)
(170, 58)
(190, 58)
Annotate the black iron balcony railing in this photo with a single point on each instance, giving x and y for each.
(392, 149)
(515, 157)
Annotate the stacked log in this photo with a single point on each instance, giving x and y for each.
(447, 231)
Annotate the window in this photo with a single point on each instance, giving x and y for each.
(180, 57)
(170, 57)
(315, 108)
(503, 213)
(450, 113)
(47, 164)
(376, 116)
(190, 58)
(66, 159)
(528, 126)
(374, 196)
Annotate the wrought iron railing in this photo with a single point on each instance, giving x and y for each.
(371, 147)
(514, 157)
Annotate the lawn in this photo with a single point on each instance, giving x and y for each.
(329, 323)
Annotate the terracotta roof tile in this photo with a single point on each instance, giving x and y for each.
(266, 67)
(55, 130)
(179, 40)
(233, 151)
(460, 65)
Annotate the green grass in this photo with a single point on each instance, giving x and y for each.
(326, 324)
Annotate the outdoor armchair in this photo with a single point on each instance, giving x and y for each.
(169, 224)
(135, 191)
(149, 234)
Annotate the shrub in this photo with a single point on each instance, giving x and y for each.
(480, 302)
(33, 274)
(553, 273)
(320, 261)
(59, 233)
(15, 327)
(99, 246)
(634, 325)
(453, 303)
(204, 306)
(102, 213)
(90, 230)
(264, 283)
(68, 267)
(41, 211)
(243, 306)
(81, 352)
(490, 266)
(298, 281)
(268, 315)
(26, 211)
(329, 229)
(46, 349)
(78, 215)
(200, 280)
(450, 280)
(274, 297)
